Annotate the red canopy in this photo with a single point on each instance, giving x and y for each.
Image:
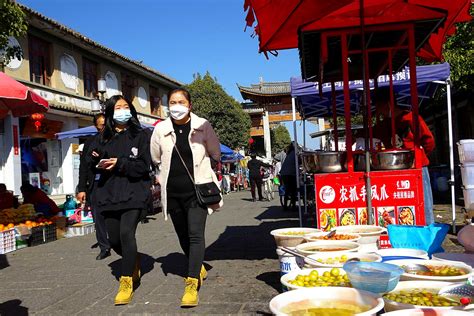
(18, 98)
(280, 20)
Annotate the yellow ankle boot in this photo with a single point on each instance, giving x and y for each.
(136, 271)
(125, 292)
(190, 296)
(202, 275)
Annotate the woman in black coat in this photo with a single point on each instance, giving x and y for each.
(122, 189)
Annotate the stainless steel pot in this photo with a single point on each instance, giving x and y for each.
(323, 161)
(359, 161)
(393, 159)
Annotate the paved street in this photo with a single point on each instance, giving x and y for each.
(63, 277)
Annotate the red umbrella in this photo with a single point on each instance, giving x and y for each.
(280, 20)
(18, 98)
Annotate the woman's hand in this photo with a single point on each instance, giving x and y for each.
(110, 163)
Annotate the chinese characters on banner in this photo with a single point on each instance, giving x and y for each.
(397, 198)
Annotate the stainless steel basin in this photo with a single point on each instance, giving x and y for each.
(323, 161)
(393, 159)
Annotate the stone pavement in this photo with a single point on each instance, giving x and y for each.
(63, 277)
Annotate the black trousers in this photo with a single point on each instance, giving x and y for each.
(256, 182)
(290, 190)
(189, 222)
(100, 230)
(121, 228)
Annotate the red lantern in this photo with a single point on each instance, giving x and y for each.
(251, 141)
(37, 117)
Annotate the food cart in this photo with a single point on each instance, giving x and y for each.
(361, 40)
(392, 196)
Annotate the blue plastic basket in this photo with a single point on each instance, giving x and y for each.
(376, 277)
(428, 238)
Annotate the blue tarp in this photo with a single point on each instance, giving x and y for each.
(226, 150)
(311, 104)
(232, 158)
(87, 131)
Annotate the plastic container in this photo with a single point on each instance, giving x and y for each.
(437, 263)
(80, 230)
(292, 275)
(369, 233)
(376, 277)
(324, 295)
(467, 174)
(468, 194)
(401, 253)
(365, 257)
(42, 234)
(466, 150)
(288, 264)
(327, 246)
(7, 241)
(421, 285)
(285, 238)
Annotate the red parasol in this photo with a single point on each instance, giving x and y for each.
(18, 98)
(280, 20)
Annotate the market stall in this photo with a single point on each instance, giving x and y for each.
(338, 43)
(348, 208)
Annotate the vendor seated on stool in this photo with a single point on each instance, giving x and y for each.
(42, 203)
(7, 199)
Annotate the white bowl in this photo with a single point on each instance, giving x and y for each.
(327, 294)
(457, 278)
(311, 237)
(291, 240)
(402, 252)
(369, 233)
(305, 248)
(362, 256)
(293, 274)
(426, 312)
(417, 285)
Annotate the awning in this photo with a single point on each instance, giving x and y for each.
(19, 99)
(279, 21)
(226, 150)
(311, 104)
(87, 131)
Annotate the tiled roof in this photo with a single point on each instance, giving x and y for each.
(96, 45)
(266, 89)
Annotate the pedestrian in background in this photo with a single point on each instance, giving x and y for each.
(255, 174)
(184, 146)
(122, 190)
(288, 177)
(86, 185)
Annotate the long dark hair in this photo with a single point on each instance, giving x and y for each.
(109, 129)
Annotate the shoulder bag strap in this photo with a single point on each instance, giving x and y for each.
(184, 164)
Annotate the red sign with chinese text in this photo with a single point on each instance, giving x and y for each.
(397, 198)
(16, 146)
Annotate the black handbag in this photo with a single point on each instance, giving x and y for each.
(207, 193)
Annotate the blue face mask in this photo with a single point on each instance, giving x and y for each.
(122, 116)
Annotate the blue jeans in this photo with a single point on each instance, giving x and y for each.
(428, 196)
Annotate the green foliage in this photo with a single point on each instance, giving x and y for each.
(225, 114)
(280, 138)
(459, 53)
(12, 23)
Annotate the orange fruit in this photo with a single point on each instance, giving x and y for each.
(2, 227)
(28, 222)
(10, 225)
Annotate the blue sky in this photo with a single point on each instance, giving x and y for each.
(176, 37)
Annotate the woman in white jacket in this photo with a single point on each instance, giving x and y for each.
(192, 137)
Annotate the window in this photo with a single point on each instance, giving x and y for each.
(90, 77)
(154, 101)
(40, 61)
(128, 85)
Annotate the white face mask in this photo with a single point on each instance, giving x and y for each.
(179, 111)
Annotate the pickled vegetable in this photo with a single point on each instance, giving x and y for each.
(423, 297)
(441, 271)
(335, 277)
